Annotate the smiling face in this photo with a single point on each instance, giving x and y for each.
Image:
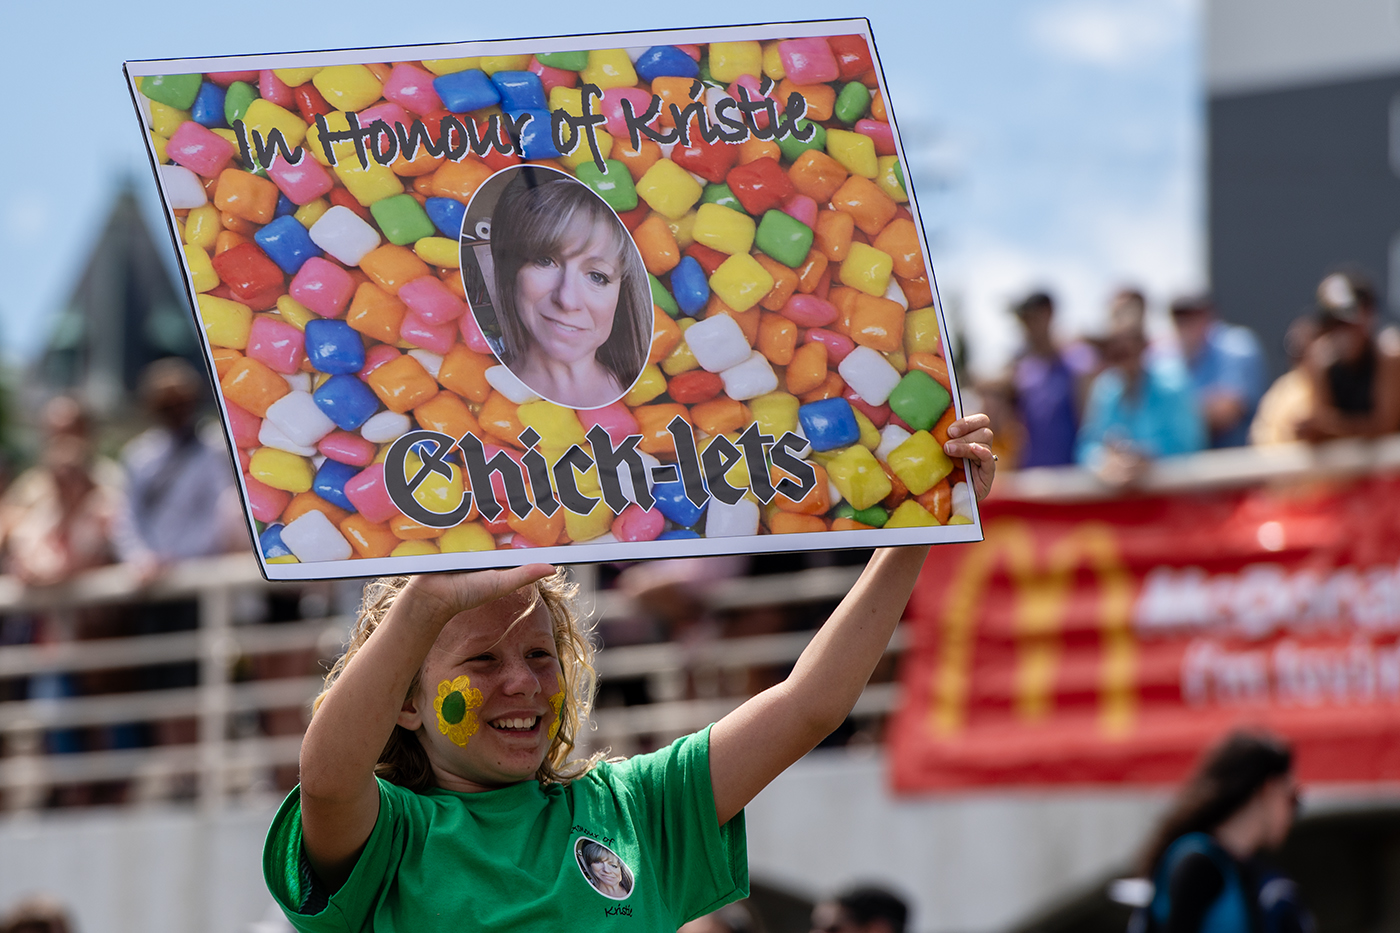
(607, 870)
(567, 298)
(513, 684)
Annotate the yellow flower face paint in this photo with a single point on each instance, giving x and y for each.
(454, 704)
(556, 703)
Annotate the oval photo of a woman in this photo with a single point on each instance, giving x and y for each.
(557, 286)
(603, 869)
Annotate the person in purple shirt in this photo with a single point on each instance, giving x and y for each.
(1047, 384)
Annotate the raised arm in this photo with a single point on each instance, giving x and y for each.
(339, 796)
(761, 739)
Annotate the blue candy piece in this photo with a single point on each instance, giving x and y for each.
(690, 287)
(520, 90)
(828, 424)
(672, 503)
(447, 215)
(665, 61)
(346, 400)
(334, 347)
(677, 534)
(287, 243)
(465, 91)
(285, 206)
(208, 108)
(536, 137)
(330, 482)
(270, 542)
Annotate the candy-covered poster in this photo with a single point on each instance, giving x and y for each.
(569, 299)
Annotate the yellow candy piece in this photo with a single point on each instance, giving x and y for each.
(887, 178)
(447, 66)
(281, 470)
(724, 229)
(741, 282)
(910, 514)
(202, 271)
(683, 229)
(165, 120)
(231, 137)
(587, 527)
(669, 189)
(202, 226)
(494, 63)
(867, 269)
(284, 559)
(294, 312)
(921, 331)
(584, 153)
(955, 520)
(439, 251)
(312, 211)
(731, 60)
(648, 386)
(348, 87)
(368, 185)
(265, 116)
(898, 360)
(416, 548)
(681, 359)
(609, 68)
(773, 62)
(159, 142)
(858, 476)
(869, 434)
(557, 426)
(343, 151)
(295, 77)
(855, 152)
(225, 322)
(437, 493)
(775, 413)
(466, 537)
(920, 462)
(567, 99)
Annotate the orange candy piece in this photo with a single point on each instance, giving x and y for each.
(464, 372)
(817, 175)
(849, 524)
(833, 234)
(660, 252)
(376, 313)
(448, 414)
(227, 240)
(877, 323)
(791, 523)
(777, 338)
(391, 267)
(831, 387)
(304, 502)
(784, 283)
(747, 320)
(900, 240)
(500, 418)
(460, 179)
(652, 420)
(638, 160)
(807, 371)
(821, 98)
(917, 291)
(672, 90)
(934, 365)
(254, 386)
(877, 108)
(720, 415)
(753, 149)
(235, 224)
(665, 335)
(402, 384)
(407, 529)
(816, 502)
(369, 539)
(246, 196)
(537, 528)
(845, 301)
(940, 429)
(868, 206)
(809, 274)
(938, 501)
(224, 358)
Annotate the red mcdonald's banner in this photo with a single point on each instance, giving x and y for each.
(1113, 641)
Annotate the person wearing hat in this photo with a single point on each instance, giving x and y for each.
(1355, 371)
(1226, 366)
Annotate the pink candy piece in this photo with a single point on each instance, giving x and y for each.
(751, 86)
(301, 183)
(611, 107)
(802, 208)
(376, 356)
(837, 345)
(808, 61)
(344, 447)
(435, 338)
(616, 419)
(412, 87)
(431, 300)
(368, 494)
(387, 111)
(551, 77)
(225, 78)
(635, 524)
(277, 344)
(692, 50)
(273, 90)
(323, 287)
(472, 335)
(880, 132)
(809, 311)
(200, 150)
(267, 503)
(245, 425)
(879, 415)
(498, 485)
(517, 542)
(245, 460)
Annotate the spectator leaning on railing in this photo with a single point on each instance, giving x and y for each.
(1226, 367)
(1355, 371)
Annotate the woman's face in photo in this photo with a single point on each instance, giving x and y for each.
(567, 301)
(608, 872)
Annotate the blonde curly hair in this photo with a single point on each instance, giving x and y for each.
(403, 760)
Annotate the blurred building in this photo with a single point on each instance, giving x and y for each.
(1304, 153)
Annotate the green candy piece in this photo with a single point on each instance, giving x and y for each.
(852, 102)
(919, 400)
(613, 184)
(564, 61)
(178, 91)
(875, 516)
(402, 219)
(662, 298)
(793, 147)
(784, 238)
(899, 176)
(705, 69)
(454, 707)
(723, 196)
(237, 98)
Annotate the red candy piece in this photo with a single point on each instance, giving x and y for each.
(709, 259)
(310, 102)
(695, 386)
(881, 133)
(225, 78)
(711, 161)
(879, 415)
(343, 198)
(761, 185)
(551, 77)
(247, 271)
(632, 219)
(852, 55)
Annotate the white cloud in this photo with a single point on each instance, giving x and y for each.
(1111, 33)
(26, 217)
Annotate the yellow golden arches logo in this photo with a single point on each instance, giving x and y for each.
(1042, 594)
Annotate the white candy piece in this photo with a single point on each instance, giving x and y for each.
(385, 427)
(868, 374)
(300, 382)
(730, 521)
(750, 379)
(896, 294)
(606, 538)
(666, 151)
(890, 437)
(717, 343)
(297, 415)
(344, 234)
(269, 435)
(317, 460)
(636, 53)
(700, 179)
(431, 361)
(833, 492)
(183, 189)
(713, 96)
(505, 382)
(313, 538)
(962, 500)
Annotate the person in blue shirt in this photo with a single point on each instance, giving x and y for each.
(1226, 366)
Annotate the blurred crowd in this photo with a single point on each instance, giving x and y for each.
(1116, 401)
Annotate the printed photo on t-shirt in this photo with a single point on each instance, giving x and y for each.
(603, 869)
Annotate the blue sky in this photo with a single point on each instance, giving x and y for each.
(1053, 143)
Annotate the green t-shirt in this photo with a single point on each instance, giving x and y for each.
(632, 845)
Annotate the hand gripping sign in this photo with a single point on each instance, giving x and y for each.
(569, 299)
